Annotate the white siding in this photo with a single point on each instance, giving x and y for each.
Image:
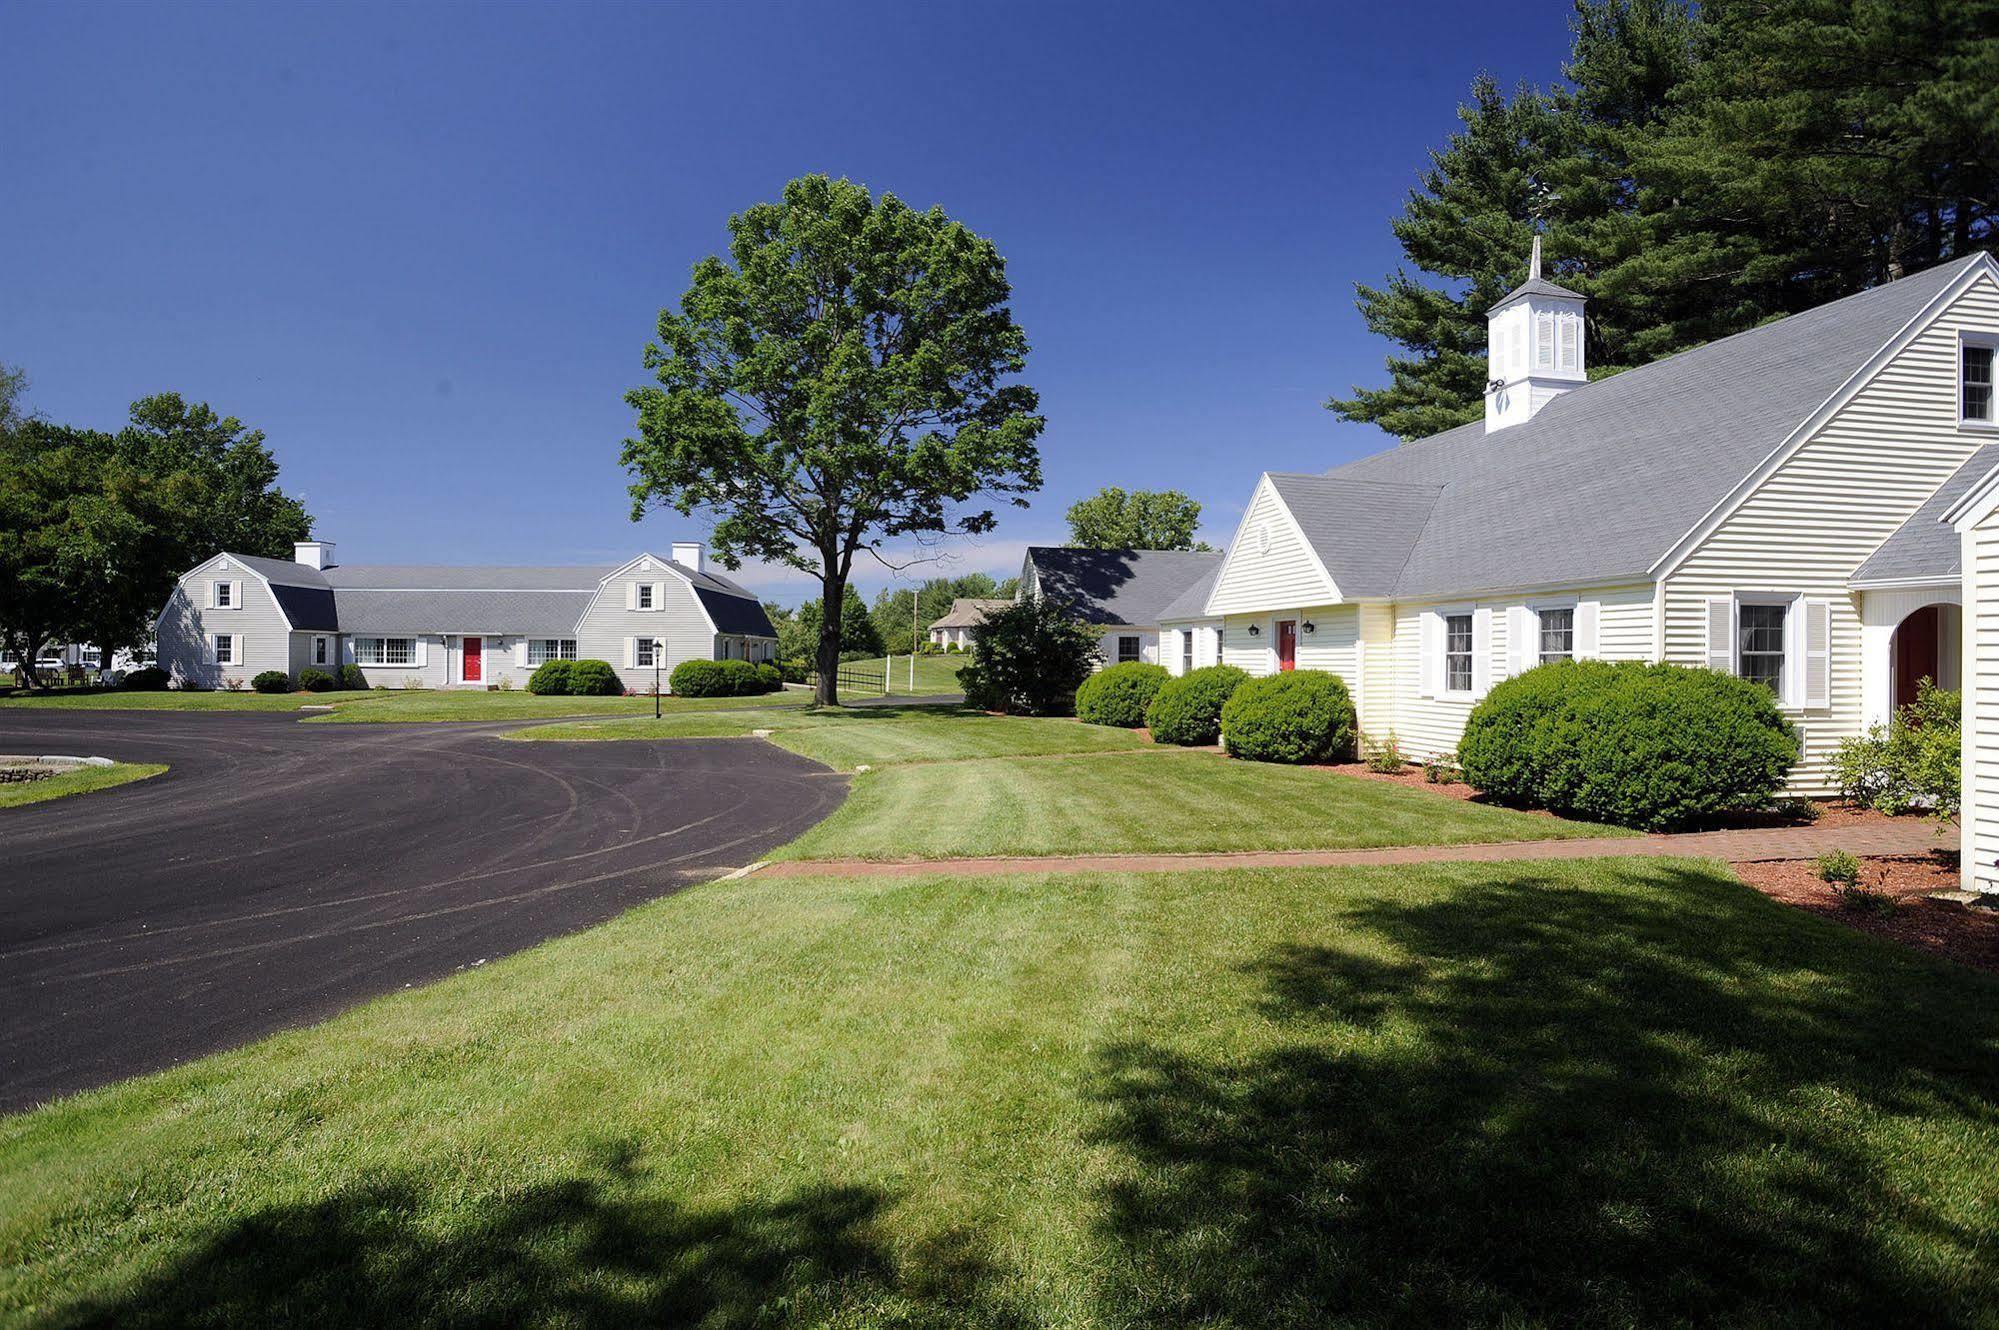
(1253, 578)
(1148, 645)
(1825, 509)
(608, 625)
(263, 636)
(1333, 645)
(1980, 822)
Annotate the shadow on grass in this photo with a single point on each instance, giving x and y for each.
(603, 1250)
(1565, 1107)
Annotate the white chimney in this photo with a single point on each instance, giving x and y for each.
(687, 553)
(313, 553)
(1534, 347)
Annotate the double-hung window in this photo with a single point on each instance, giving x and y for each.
(1186, 651)
(1558, 634)
(1759, 636)
(225, 595)
(645, 595)
(1457, 653)
(1975, 405)
(642, 649)
(1127, 650)
(385, 651)
(225, 648)
(319, 651)
(541, 650)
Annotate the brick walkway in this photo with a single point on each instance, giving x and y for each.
(1902, 836)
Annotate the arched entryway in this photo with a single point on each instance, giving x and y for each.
(1925, 646)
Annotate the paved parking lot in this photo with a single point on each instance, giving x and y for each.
(281, 871)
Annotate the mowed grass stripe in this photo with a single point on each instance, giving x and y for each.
(1586, 1093)
(1151, 802)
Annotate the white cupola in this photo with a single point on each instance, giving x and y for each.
(1534, 347)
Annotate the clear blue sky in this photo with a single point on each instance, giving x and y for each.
(422, 247)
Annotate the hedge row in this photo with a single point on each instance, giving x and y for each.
(575, 678)
(724, 678)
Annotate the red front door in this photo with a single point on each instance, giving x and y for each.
(475, 660)
(1287, 644)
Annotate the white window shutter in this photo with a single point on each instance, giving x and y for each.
(632, 651)
(209, 638)
(1481, 650)
(1818, 653)
(1520, 632)
(1430, 653)
(1586, 632)
(659, 595)
(210, 603)
(631, 595)
(1721, 634)
(521, 653)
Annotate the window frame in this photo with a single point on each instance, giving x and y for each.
(1446, 613)
(1787, 656)
(1989, 343)
(1186, 651)
(554, 650)
(381, 653)
(319, 649)
(215, 648)
(644, 649)
(642, 597)
(1539, 613)
(1137, 641)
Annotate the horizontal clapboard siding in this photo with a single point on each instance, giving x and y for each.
(1814, 520)
(1254, 578)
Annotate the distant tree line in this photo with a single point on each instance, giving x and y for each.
(1699, 169)
(96, 527)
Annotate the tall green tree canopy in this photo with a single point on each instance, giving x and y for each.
(1697, 170)
(842, 380)
(1114, 519)
(95, 528)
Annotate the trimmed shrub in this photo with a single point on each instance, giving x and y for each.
(145, 679)
(1651, 746)
(1028, 659)
(1188, 710)
(1913, 762)
(352, 680)
(701, 678)
(315, 681)
(1120, 695)
(1296, 716)
(550, 678)
(594, 678)
(770, 676)
(272, 681)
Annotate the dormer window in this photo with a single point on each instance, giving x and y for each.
(1975, 362)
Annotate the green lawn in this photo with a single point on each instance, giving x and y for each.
(1158, 801)
(875, 736)
(1594, 1093)
(934, 674)
(83, 780)
(219, 700)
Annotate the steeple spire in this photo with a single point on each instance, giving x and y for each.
(1534, 260)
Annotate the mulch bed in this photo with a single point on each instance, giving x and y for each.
(1968, 934)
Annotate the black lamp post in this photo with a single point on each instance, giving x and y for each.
(657, 647)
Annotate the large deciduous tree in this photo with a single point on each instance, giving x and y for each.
(845, 378)
(1113, 519)
(96, 527)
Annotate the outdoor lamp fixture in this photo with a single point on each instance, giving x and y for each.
(658, 648)
(1309, 626)
(1255, 631)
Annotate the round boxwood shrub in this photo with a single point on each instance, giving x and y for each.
(1296, 716)
(1657, 747)
(1188, 710)
(701, 678)
(272, 681)
(315, 681)
(550, 678)
(594, 678)
(145, 679)
(1119, 695)
(352, 680)
(770, 676)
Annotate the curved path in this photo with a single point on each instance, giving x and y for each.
(281, 871)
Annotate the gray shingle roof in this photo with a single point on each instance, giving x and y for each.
(281, 572)
(968, 612)
(1364, 530)
(448, 610)
(1535, 286)
(468, 577)
(1925, 545)
(1118, 587)
(1606, 479)
(1193, 602)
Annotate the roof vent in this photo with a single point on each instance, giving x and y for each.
(313, 553)
(687, 553)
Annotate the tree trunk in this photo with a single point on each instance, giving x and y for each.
(834, 590)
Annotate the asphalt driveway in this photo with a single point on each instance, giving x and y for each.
(281, 872)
